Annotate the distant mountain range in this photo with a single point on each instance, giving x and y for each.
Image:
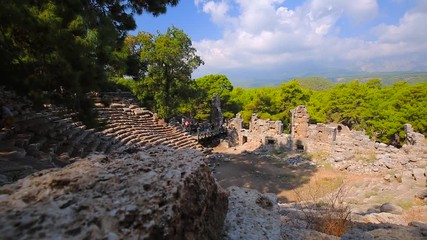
(386, 78)
(326, 79)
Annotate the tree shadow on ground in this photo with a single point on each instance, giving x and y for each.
(262, 171)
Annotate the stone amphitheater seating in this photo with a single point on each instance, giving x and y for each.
(131, 125)
(51, 138)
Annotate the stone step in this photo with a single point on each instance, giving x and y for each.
(80, 137)
(179, 138)
(91, 148)
(89, 138)
(51, 146)
(187, 145)
(73, 132)
(183, 141)
(22, 139)
(128, 138)
(104, 145)
(12, 152)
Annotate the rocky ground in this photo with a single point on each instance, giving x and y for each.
(160, 193)
(379, 207)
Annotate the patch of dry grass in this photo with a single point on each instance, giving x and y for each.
(415, 214)
(329, 214)
(324, 182)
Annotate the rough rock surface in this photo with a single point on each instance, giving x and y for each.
(158, 194)
(391, 208)
(252, 215)
(372, 226)
(414, 231)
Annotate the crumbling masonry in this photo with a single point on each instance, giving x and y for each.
(346, 149)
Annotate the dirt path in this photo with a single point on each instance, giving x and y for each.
(260, 173)
(246, 166)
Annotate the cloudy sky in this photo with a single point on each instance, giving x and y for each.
(267, 40)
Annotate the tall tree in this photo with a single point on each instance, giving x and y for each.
(207, 87)
(169, 60)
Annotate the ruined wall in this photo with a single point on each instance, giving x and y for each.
(216, 112)
(299, 127)
(346, 149)
(354, 150)
(265, 132)
(236, 123)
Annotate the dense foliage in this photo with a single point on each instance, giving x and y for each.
(379, 110)
(315, 83)
(273, 103)
(387, 79)
(57, 50)
(206, 88)
(162, 66)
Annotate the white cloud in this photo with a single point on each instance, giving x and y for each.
(266, 34)
(411, 28)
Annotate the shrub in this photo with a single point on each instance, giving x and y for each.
(327, 215)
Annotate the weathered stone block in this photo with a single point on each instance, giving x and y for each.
(252, 215)
(391, 208)
(162, 194)
(418, 174)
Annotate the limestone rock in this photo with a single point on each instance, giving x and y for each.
(422, 194)
(391, 208)
(304, 234)
(396, 233)
(383, 217)
(387, 177)
(162, 194)
(418, 174)
(414, 231)
(252, 215)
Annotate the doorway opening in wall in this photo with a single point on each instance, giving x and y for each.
(299, 146)
(244, 139)
(271, 142)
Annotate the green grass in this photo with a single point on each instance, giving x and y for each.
(370, 194)
(383, 199)
(405, 204)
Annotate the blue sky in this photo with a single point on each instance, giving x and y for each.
(270, 40)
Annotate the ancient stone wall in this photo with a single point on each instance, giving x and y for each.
(354, 150)
(299, 127)
(265, 132)
(216, 112)
(236, 123)
(346, 149)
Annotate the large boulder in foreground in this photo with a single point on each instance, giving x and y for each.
(252, 215)
(157, 194)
